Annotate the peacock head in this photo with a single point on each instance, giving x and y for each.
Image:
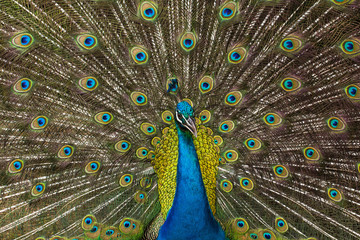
(185, 117)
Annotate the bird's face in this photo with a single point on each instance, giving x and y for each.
(185, 117)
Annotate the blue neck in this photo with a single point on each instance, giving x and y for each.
(190, 216)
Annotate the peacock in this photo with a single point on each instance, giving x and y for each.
(169, 119)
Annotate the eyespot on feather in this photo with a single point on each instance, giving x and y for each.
(142, 152)
(205, 116)
(228, 11)
(38, 189)
(311, 153)
(350, 46)
(87, 41)
(188, 41)
(226, 185)
(148, 128)
(39, 122)
(126, 180)
(155, 141)
(233, 98)
(290, 84)
(140, 197)
(167, 117)
(281, 171)
(145, 182)
(246, 183)
(88, 83)
(231, 155)
(272, 119)
(139, 98)
(16, 166)
(139, 55)
(148, 10)
(253, 144)
(336, 124)
(103, 118)
(23, 85)
(353, 91)
(151, 155)
(218, 140)
(267, 235)
(122, 146)
(290, 44)
(129, 226)
(92, 167)
(206, 84)
(226, 126)
(66, 151)
(240, 225)
(334, 194)
(281, 225)
(88, 222)
(237, 55)
(94, 232)
(22, 40)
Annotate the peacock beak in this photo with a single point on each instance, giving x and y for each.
(190, 125)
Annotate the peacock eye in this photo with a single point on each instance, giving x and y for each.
(87, 41)
(233, 98)
(23, 40)
(290, 84)
(167, 117)
(350, 46)
(334, 194)
(140, 197)
(16, 166)
(336, 124)
(94, 229)
(103, 118)
(231, 155)
(253, 236)
(240, 225)
(142, 152)
(139, 55)
(23, 85)
(228, 11)
(353, 91)
(272, 119)
(281, 171)
(65, 151)
(39, 122)
(126, 180)
(252, 144)
(88, 83)
(109, 232)
(246, 184)
(290, 44)
(237, 55)
(92, 167)
(188, 41)
(281, 225)
(206, 84)
(122, 146)
(205, 116)
(148, 10)
(226, 185)
(226, 126)
(88, 222)
(148, 128)
(38, 189)
(311, 153)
